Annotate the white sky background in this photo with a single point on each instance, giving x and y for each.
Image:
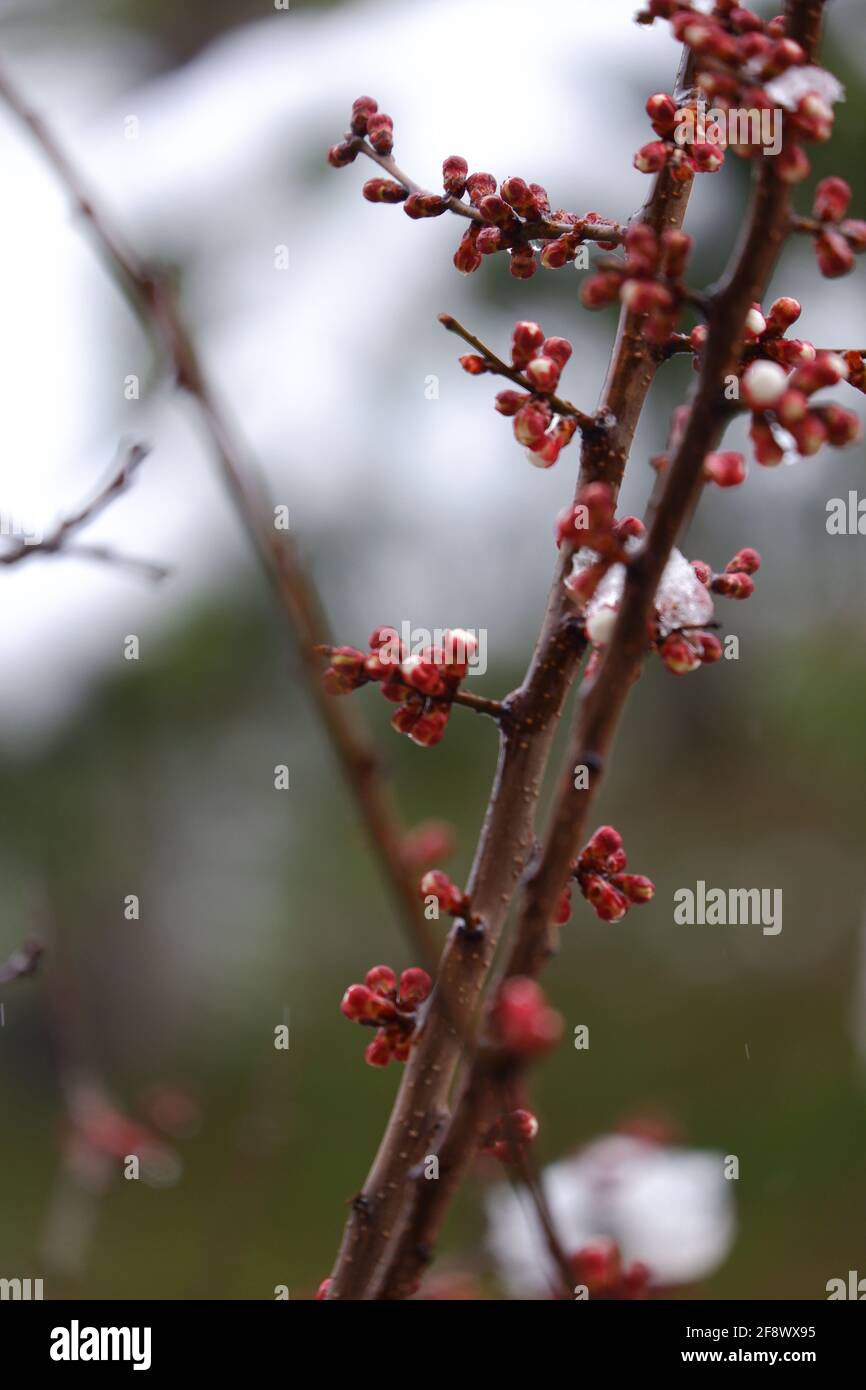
(324, 365)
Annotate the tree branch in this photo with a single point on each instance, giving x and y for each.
(129, 457)
(601, 703)
(154, 300)
(370, 1240)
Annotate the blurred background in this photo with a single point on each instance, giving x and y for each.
(205, 128)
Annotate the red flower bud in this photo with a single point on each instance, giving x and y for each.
(637, 887)
(362, 109)
(467, 257)
(380, 132)
(650, 158)
(520, 197)
(521, 262)
(768, 451)
(436, 884)
(478, 186)
(430, 728)
(384, 191)
(523, 1020)
(559, 349)
(427, 842)
(709, 647)
(661, 110)
(783, 312)
(608, 902)
(472, 363)
(835, 257)
(382, 980)
(675, 248)
(544, 373)
(726, 469)
(832, 197)
(415, 986)
(843, 426)
(702, 570)
(526, 340)
(746, 561)
(679, 655)
(556, 254)
(531, 422)
(454, 171)
(341, 155)
(737, 585)
(509, 402)
(425, 205)
(322, 1291)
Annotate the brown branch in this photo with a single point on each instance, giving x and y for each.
(154, 300)
(541, 229)
(600, 705)
(371, 1240)
(57, 541)
(500, 368)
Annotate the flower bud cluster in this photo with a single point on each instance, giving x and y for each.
(647, 281)
(390, 1008)
(601, 877)
(837, 238)
(423, 685)
(540, 362)
(745, 62)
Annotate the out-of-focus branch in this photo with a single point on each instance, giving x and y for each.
(58, 540)
(155, 301)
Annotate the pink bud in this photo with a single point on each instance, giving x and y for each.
(520, 197)
(467, 257)
(362, 109)
(454, 171)
(382, 980)
(650, 158)
(559, 349)
(415, 986)
(678, 655)
(478, 186)
(737, 585)
(783, 312)
(544, 373)
(768, 451)
(380, 132)
(746, 561)
(531, 422)
(419, 205)
(835, 257)
(341, 155)
(662, 110)
(725, 469)
(526, 340)
(509, 402)
(637, 887)
(521, 262)
(384, 191)
(832, 197)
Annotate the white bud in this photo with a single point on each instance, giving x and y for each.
(755, 322)
(763, 384)
(837, 365)
(600, 626)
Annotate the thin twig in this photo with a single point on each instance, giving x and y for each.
(539, 229)
(154, 299)
(57, 541)
(500, 368)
